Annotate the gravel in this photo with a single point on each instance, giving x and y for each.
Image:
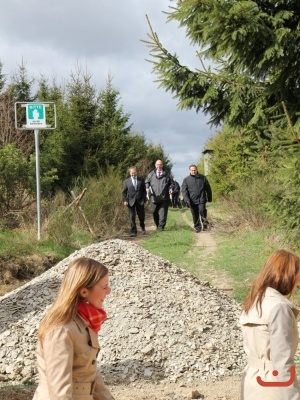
(163, 324)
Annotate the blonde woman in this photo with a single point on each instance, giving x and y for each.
(68, 342)
(270, 331)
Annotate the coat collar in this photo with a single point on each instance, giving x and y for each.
(80, 322)
(271, 297)
(270, 292)
(83, 326)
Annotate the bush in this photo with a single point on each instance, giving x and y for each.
(100, 212)
(249, 204)
(102, 204)
(285, 201)
(14, 179)
(60, 227)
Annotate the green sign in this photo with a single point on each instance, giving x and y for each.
(35, 116)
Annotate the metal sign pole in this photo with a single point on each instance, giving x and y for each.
(38, 190)
(36, 119)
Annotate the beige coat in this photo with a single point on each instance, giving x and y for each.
(270, 342)
(67, 364)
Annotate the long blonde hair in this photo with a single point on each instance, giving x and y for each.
(279, 272)
(81, 273)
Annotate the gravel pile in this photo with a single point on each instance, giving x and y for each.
(164, 324)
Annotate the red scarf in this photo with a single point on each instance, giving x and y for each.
(92, 315)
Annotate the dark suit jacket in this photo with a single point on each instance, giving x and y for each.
(132, 195)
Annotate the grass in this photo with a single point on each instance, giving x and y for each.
(175, 242)
(19, 243)
(239, 255)
(23, 257)
(242, 255)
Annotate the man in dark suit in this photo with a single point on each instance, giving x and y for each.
(158, 187)
(196, 193)
(134, 196)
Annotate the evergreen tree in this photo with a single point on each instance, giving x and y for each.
(255, 49)
(76, 125)
(18, 89)
(111, 139)
(21, 87)
(113, 130)
(93, 133)
(14, 179)
(51, 141)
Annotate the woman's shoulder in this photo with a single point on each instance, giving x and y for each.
(275, 305)
(272, 302)
(70, 328)
(274, 298)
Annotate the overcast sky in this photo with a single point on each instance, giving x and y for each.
(104, 36)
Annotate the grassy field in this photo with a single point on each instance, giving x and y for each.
(239, 254)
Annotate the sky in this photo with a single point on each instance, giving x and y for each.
(104, 37)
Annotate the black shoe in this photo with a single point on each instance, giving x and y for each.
(144, 232)
(133, 235)
(197, 230)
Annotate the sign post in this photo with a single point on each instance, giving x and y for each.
(38, 189)
(35, 119)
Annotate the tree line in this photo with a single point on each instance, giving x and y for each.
(93, 138)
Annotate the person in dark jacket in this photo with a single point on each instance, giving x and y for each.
(158, 187)
(134, 197)
(174, 192)
(197, 192)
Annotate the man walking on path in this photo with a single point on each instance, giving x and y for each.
(196, 192)
(157, 187)
(134, 196)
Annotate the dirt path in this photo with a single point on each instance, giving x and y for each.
(203, 252)
(227, 389)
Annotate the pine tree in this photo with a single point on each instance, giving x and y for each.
(254, 48)
(113, 132)
(18, 90)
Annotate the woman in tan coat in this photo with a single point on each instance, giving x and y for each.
(68, 342)
(270, 331)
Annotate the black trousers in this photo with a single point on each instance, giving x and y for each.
(198, 210)
(160, 213)
(175, 199)
(139, 210)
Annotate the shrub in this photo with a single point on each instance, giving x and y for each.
(102, 204)
(249, 204)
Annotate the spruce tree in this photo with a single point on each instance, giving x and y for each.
(253, 48)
